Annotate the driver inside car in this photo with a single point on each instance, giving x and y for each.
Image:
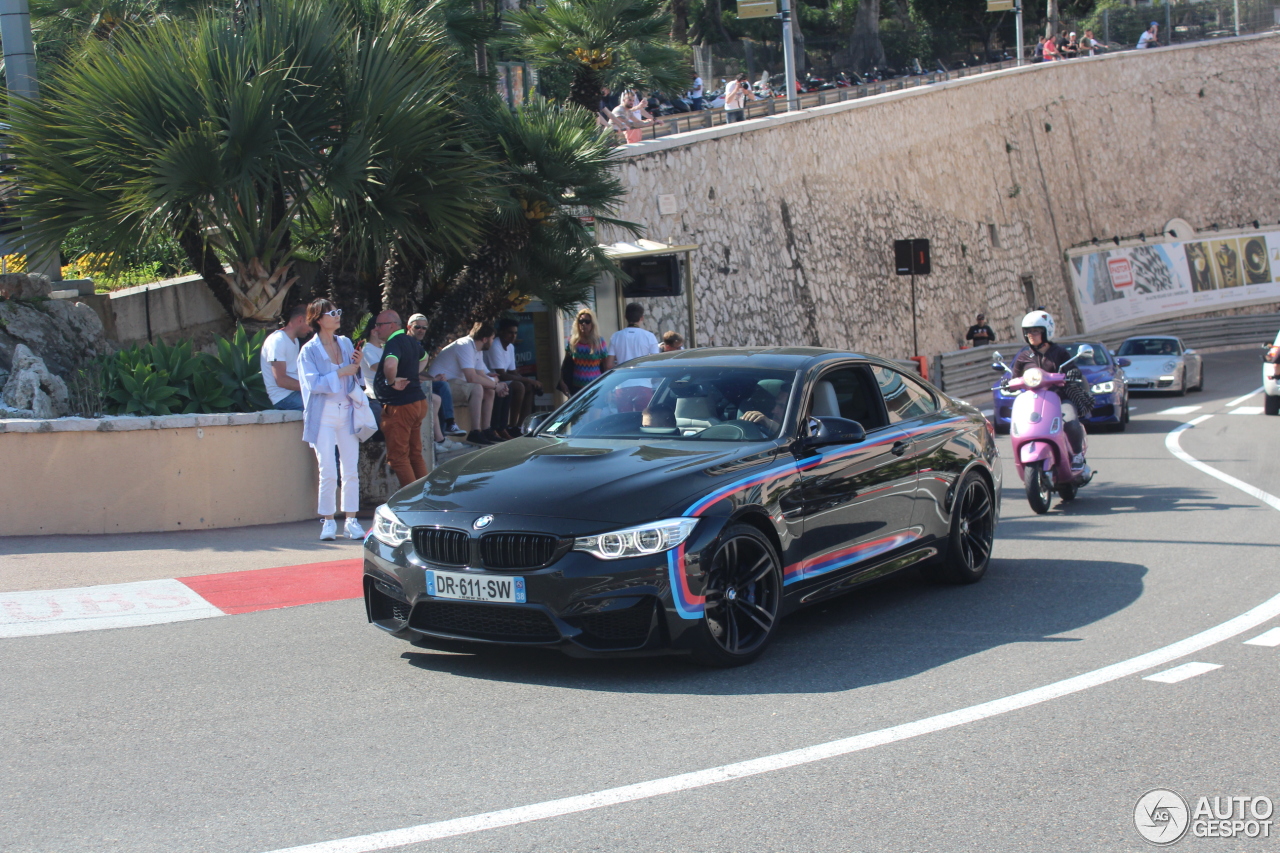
(771, 423)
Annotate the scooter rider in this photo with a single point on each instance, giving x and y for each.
(1042, 352)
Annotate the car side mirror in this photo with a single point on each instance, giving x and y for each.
(530, 424)
(828, 430)
(1123, 362)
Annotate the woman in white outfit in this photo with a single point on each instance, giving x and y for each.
(328, 365)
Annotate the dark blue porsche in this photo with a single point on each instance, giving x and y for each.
(1107, 383)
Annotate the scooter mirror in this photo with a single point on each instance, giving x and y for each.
(1084, 352)
(996, 357)
(998, 367)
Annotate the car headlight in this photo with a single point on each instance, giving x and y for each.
(1170, 366)
(388, 529)
(1032, 377)
(637, 541)
(1103, 387)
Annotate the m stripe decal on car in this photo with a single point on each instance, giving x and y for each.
(691, 606)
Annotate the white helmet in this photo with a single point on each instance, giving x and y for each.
(1039, 319)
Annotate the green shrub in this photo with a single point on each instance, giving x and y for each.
(158, 379)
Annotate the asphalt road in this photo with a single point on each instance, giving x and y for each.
(288, 727)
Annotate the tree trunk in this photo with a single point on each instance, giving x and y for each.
(399, 280)
(1051, 28)
(206, 263)
(713, 17)
(257, 290)
(586, 90)
(680, 21)
(865, 47)
(797, 38)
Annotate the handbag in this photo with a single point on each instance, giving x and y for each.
(362, 414)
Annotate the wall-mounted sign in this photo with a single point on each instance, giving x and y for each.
(999, 5)
(1137, 284)
(757, 8)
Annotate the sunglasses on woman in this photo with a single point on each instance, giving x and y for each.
(336, 312)
(586, 320)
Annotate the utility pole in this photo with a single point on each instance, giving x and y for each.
(20, 77)
(789, 57)
(1017, 17)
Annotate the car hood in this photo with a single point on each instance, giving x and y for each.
(588, 479)
(1147, 364)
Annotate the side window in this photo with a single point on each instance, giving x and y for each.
(850, 393)
(904, 398)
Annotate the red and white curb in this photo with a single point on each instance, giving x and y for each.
(123, 605)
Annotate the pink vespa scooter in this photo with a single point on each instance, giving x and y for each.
(1041, 449)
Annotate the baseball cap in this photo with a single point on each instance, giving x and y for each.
(1154, 24)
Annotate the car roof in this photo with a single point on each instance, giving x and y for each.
(1153, 338)
(784, 358)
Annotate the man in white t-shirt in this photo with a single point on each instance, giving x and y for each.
(626, 344)
(279, 361)
(1150, 36)
(633, 341)
(464, 369)
(695, 94)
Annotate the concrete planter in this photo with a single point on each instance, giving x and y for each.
(178, 472)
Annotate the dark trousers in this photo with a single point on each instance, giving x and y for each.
(730, 116)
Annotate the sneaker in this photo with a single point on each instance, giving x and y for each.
(451, 428)
(448, 446)
(494, 436)
(477, 438)
(329, 530)
(352, 528)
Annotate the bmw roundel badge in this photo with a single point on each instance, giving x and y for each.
(482, 522)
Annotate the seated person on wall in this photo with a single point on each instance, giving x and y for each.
(500, 358)
(279, 360)
(462, 365)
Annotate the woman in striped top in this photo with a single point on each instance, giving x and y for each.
(587, 355)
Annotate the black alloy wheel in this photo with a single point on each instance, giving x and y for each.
(1123, 420)
(743, 599)
(1039, 491)
(973, 530)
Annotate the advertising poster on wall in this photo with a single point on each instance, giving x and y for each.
(1153, 281)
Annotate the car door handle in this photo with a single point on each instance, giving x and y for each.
(900, 447)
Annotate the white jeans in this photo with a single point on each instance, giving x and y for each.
(334, 435)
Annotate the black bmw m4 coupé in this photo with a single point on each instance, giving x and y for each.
(685, 502)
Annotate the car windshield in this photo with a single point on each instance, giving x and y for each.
(678, 402)
(1098, 359)
(1150, 346)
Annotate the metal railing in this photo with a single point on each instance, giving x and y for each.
(967, 372)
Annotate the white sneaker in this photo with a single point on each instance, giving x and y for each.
(329, 530)
(353, 528)
(447, 446)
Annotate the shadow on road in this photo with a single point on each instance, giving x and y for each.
(1101, 498)
(884, 632)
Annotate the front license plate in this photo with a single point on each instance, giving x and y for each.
(469, 587)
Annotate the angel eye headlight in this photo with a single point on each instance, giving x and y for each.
(1103, 387)
(639, 541)
(1033, 377)
(1170, 366)
(389, 529)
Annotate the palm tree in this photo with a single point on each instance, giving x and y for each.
(233, 138)
(616, 43)
(556, 168)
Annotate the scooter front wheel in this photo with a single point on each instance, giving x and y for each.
(1039, 491)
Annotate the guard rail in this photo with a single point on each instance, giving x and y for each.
(966, 372)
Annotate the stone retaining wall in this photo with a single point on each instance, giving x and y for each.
(178, 472)
(796, 214)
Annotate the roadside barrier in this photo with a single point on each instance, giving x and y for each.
(966, 372)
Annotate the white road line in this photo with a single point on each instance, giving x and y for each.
(988, 412)
(1270, 639)
(1264, 612)
(90, 608)
(1182, 673)
(1246, 410)
(1181, 410)
(1171, 442)
(1238, 400)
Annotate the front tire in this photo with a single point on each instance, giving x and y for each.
(973, 528)
(1271, 404)
(1039, 492)
(1123, 420)
(743, 599)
